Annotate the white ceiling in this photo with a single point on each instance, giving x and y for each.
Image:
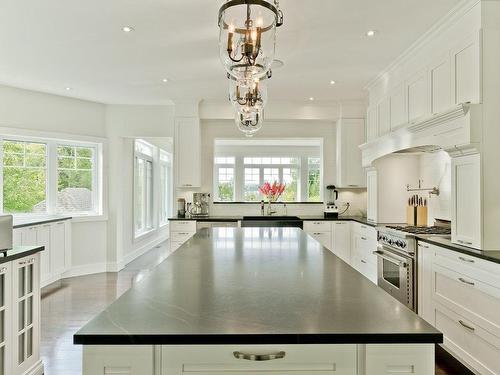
(52, 44)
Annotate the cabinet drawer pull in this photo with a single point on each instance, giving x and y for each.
(184, 234)
(3, 270)
(363, 261)
(317, 234)
(22, 263)
(465, 242)
(466, 260)
(259, 357)
(363, 238)
(466, 281)
(424, 246)
(465, 325)
(363, 226)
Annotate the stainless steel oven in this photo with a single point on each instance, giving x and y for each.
(395, 270)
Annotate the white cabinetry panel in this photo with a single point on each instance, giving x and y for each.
(372, 195)
(372, 131)
(399, 111)
(440, 85)
(188, 152)
(466, 70)
(466, 201)
(58, 248)
(384, 116)
(6, 341)
(350, 135)
(341, 240)
(416, 91)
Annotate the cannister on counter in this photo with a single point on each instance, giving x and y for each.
(181, 207)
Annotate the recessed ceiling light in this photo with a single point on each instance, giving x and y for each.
(311, 99)
(371, 33)
(68, 88)
(127, 29)
(332, 82)
(164, 80)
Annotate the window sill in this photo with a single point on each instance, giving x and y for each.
(86, 218)
(140, 236)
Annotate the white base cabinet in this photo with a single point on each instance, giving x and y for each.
(341, 240)
(180, 232)
(56, 238)
(321, 231)
(20, 317)
(363, 244)
(328, 359)
(460, 296)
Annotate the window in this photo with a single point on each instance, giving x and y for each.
(143, 188)
(24, 177)
(313, 180)
(165, 186)
(238, 178)
(48, 176)
(75, 179)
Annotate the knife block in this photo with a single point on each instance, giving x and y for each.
(411, 215)
(421, 216)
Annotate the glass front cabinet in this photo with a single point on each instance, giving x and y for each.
(19, 315)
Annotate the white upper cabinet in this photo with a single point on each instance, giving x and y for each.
(188, 152)
(372, 123)
(398, 108)
(384, 116)
(466, 70)
(466, 201)
(440, 84)
(416, 91)
(350, 135)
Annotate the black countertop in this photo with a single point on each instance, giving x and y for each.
(20, 222)
(255, 286)
(18, 252)
(445, 241)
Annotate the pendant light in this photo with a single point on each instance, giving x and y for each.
(249, 120)
(248, 93)
(247, 36)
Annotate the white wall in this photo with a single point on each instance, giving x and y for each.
(435, 170)
(29, 111)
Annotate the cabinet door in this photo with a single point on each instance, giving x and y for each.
(350, 135)
(29, 236)
(416, 91)
(384, 116)
(440, 85)
(466, 70)
(341, 240)
(5, 318)
(372, 123)
(399, 111)
(43, 239)
(188, 152)
(57, 248)
(25, 313)
(372, 196)
(466, 207)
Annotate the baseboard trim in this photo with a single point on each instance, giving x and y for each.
(118, 266)
(85, 269)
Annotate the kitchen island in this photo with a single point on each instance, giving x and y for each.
(256, 299)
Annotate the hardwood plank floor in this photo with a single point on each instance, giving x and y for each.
(70, 304)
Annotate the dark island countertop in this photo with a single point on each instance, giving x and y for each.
(445, 241)
(27, 221)
(18, 252)
(255, 286)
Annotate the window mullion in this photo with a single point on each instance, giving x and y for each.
(239, 179)
(304, 178)
(51, 168)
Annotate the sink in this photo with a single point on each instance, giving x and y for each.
(271, 218)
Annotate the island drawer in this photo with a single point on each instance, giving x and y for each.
(276, 360)
(183, 226)
(317, 226)
(324, 238)
(180, 236)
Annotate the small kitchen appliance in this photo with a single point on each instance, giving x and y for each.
(181, 207)
(200, 205)
(331, 210)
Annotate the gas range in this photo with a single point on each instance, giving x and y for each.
(402, 238)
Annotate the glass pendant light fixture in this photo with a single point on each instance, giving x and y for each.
(248, 93)
(249, 120)
(247, 36)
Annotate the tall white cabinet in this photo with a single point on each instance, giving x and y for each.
(350, 135)
(188, 152)
(20, 316)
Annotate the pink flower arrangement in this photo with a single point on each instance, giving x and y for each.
(272, 192)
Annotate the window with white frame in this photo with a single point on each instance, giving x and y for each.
(240, 167)
(143, 188)
(49, 176)
(165, 186)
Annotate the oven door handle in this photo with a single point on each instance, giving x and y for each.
(382, 255)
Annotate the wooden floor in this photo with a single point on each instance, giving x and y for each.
(71, 303)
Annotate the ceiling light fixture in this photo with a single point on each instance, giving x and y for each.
(311, 99)
(127, 29)
(68, 88)
(332, 82)
(164, 80)
(371, 33)
(247, 44)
